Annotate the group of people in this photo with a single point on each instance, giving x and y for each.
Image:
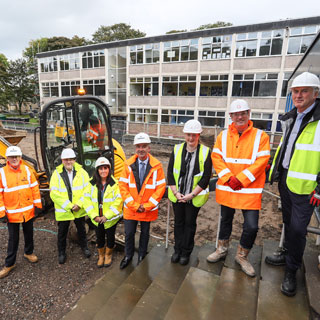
(239, 157)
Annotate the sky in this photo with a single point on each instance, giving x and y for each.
(22, 21)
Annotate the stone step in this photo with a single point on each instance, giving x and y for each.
(157, 299)
(203, 264)
(123, 300)
(272, 304)
(236, 293)
(194, 297)
(312, 278)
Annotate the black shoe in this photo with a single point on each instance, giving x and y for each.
(86, 252)
(289, 283)
(184, 260)
(124, 262)
(140, 258)
(278, 258)
(62, 258)
(175, 257)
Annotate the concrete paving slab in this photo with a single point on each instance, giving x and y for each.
(235, 297)
(204, 251)
(194, 298)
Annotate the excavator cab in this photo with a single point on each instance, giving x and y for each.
(82, 123)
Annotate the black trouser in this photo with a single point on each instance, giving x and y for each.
(185, 225)
(249, 227)
(63, 227)
(296, 215)
(130, 227)
(101, 234)
(13, 242)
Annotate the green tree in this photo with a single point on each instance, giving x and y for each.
(22, 83)
(176, 31)
(4, 80)
(218, 24)
(118, 31)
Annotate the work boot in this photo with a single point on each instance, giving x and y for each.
(5, 271)
(242, 259)
(86, 251)
(175, 257)
(101, 257)
(289, 283)
(108, 257)
(62, 257)
(278, 258)
(220, 252)
(31, 257)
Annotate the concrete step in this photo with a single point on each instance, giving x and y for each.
(194, 297)
(123, 300)
(312, 278)
(203, 264)
(272, 304)
(158, 297)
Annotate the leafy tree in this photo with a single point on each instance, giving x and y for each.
(4, 79)
(118, 31)
(22, 83)
(217, 24)
(176, 31)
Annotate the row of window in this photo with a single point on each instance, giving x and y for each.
(206, 117)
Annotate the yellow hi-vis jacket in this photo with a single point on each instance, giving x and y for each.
(19, 194)
(112, 203)
(59, 193)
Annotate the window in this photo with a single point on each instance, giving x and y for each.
(218, 47)
(214, 85)
(257, 85)
(69, 62)
(50, 89)
(93, 59)
(300, 39)
(176, 116)
(143, 115)
(95, 87)
(147, 86)
(180, 50)
(49, 64)
(181, 86)
(212, 118)
(247, 44)
(284, 89)
(69, 88)
(271, 43)
(148, 53)
(262, 120)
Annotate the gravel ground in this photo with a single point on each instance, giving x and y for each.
(46, 290)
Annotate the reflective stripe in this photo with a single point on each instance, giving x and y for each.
(25, 186)
(176, 171)
(114, 210)
(94, 200)
(116, 217)
(155, 208)
(155, 202)
(61, 210)
(1, 190)
(203, 192)
(304, 176)
(65, 204)
(33, 184)
(249, 175)
(216, 150)
(124, 180)
(177, 149)
(89, 208)
(2, 208)
(28, 175)
(3, 178)
(243, 190)
(78, 188)
(316, 140)
(308, 147)
(37, 201)
(199, 174)
(87, 194)
(263, 153)
(20, 210)
(93, 132)
(256, 146)
(132, 185)
(128, 200)
(204, 152)
(223, 172)
(154, 181)
(160, 182)
(224, 143)
(108, 200)
(240, 161)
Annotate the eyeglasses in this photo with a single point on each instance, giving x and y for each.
(239, 114)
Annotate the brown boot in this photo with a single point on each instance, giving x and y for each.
(221, 251)
(5, 271)
(31, 257)
(101, 257)
(108, 257)
(242, 259)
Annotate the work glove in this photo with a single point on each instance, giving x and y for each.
(234, 183)
(4, 219)
(315, 194)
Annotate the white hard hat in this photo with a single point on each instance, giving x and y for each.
(239, 105)
(13, 151)
(306, 79)
(102, 161)
(192, 126)
(67, 154)
(141, 138)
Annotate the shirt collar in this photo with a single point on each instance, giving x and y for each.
(144, 161)
(307, 110)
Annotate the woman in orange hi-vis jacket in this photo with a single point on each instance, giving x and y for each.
(19, 197)
(240, 157)
(142, 185)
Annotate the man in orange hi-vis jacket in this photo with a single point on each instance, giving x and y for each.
(142, 185)
(239, 157)
(19, 197)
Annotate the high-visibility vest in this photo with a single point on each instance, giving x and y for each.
(200, 199)
(19, 194)
(152, 190)
(96, 133)
(112, 203)
(244, 157)
(59, 193)
(305, 162)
